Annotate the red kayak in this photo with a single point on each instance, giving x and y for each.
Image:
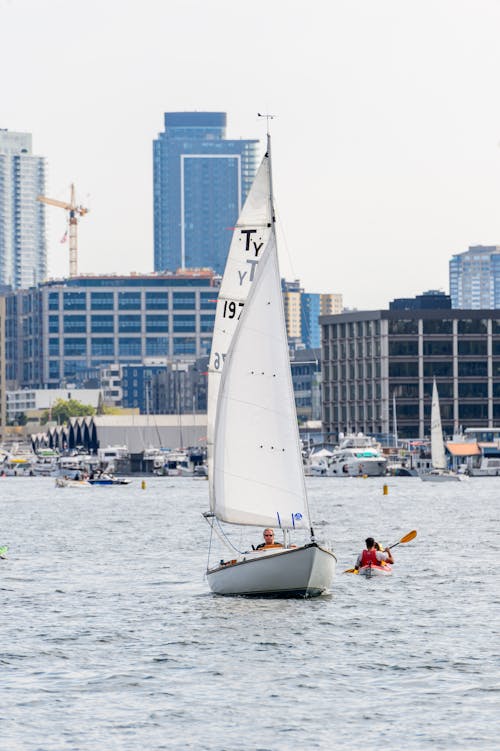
(372, 570)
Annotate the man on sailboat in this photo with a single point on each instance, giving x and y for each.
(268, 535)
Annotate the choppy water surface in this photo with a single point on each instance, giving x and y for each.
(111, 640)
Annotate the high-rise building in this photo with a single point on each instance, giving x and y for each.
(23, 252)
(201, 180)
(475, 278)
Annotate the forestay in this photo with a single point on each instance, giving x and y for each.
(258, 474)
(250, 238)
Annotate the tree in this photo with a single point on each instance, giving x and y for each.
(63, 409)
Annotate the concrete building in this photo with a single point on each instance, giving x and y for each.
(23, 252)
(475, 278)
(370, 356)
(65, 332)
(27, 400)
(200, 182)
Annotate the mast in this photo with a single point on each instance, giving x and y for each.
(273, 230)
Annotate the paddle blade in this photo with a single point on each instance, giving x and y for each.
(410, 536)
(351, 571)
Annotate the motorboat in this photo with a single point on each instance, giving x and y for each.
(357, 455)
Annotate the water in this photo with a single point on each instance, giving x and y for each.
(111, 640)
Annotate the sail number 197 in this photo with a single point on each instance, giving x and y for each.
(232, 308)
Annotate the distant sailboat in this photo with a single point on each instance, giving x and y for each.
(439, 471)
(255, 467)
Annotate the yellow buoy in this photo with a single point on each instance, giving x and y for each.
(386, 489)
(143, 484)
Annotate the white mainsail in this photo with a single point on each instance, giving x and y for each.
(250, 238)
(437, 445)
(258, 476)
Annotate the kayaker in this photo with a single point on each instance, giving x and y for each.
(373, 556)
(268, 535)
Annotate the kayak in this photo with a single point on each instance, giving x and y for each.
(370, 571)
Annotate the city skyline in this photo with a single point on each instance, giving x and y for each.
(385, 142)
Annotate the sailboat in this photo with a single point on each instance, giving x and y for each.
(255, 465)
(439, 471)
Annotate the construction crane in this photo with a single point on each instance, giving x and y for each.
(74, 212)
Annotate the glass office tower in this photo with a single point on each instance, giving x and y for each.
(23, 252)
(200, 183)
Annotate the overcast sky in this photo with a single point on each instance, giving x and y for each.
(386, 155)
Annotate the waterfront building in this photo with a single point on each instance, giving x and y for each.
(23, 252)
(64, 332)
(475, 278)
(369, 357)
(331, 303)
(29, 400)
(200, 181)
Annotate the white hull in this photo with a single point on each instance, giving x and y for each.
(442, 477)
(306, 571)
(358, 468)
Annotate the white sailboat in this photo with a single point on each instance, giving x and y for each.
(254, 457)
(439, 471)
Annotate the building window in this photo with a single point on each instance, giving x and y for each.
(472, 369)
(156, 301)
(75, 301)
(157, 346)
(75, 324)
(208, 300)
(403, 349)
(472, 390)
(437, 327)
(53, 300)
(102, 300)
(130, 347)
(129, 300)
(102, 324)
(157, 323)
(184, 346)
(207, 323)
(438, 348)
(403, 327)
(53, 324)
(184, 300)
(403, 370)
(53, 347)
(54, 369)
(75, 348)
(472, 326)
(102, 347)
(129, 324)
(438, 369)
(184, 323)
(472, 348)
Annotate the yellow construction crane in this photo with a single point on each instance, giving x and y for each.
(74, 212)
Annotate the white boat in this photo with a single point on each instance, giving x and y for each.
(439, 471)
(256, 476)
(68, 482)
(357, 455)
